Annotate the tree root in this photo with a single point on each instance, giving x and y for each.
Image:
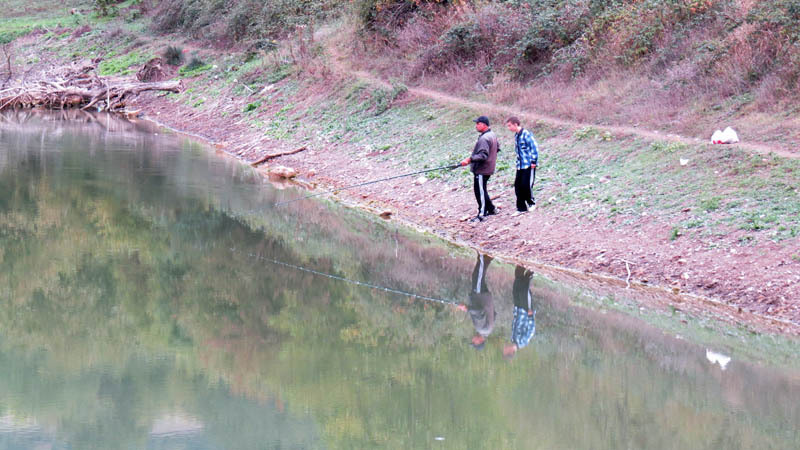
(276, 155)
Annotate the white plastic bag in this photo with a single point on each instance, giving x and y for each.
(728, 136)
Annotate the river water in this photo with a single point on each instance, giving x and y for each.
(152, 298)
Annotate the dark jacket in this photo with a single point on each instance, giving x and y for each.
(484, 155)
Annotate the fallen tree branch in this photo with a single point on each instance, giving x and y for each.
(276, 155)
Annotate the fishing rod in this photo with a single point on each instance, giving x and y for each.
(455, 166)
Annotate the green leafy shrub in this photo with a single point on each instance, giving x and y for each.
(463, 40)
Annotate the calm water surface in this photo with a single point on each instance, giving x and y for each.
(150, 298)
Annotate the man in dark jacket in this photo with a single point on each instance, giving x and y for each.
(482, 162)
(481, 303)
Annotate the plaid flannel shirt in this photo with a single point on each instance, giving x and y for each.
(527, 151)
(523, 327)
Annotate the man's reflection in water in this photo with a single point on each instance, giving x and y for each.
(481, 302)
(524, 324)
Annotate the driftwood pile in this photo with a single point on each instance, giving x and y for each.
(78, 87)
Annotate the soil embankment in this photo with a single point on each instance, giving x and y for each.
(756, 285)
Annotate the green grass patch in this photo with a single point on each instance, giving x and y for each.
(123, 64)
(194, 68)
(251, 107)
(710, 204)
(13, 28)
(592, 133)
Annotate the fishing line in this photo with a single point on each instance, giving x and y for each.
(347, 280)
(367, 183)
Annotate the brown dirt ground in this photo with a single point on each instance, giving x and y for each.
(758, 286)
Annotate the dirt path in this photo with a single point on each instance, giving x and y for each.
(505, 111)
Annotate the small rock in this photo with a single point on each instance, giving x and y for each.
(283, 172)
(385, 214)
(420, 180)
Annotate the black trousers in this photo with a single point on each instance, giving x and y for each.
(485, 205)
(523, 188)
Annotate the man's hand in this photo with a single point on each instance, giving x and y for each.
(461, 307)
(466, 161)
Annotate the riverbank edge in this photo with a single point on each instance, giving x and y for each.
(660, 298)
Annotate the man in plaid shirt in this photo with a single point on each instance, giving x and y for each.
(527, 157)
(523, 325)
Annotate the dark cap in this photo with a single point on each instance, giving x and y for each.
(482, 119)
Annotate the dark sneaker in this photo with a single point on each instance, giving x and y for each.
(477, 218)
(492, 213)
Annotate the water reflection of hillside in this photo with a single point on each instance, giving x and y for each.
(129, 290)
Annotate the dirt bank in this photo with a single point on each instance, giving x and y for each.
(757, 285)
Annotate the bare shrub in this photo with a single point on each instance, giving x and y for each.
(173, 55)
(478, 38)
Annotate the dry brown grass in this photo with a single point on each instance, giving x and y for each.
(690, 82)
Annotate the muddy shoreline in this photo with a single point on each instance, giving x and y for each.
(624, 261)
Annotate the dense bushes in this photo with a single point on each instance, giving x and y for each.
(531, 37)
(386, 16)
(776, 38)
(739, 44)
(240, 20)
(725, 46)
